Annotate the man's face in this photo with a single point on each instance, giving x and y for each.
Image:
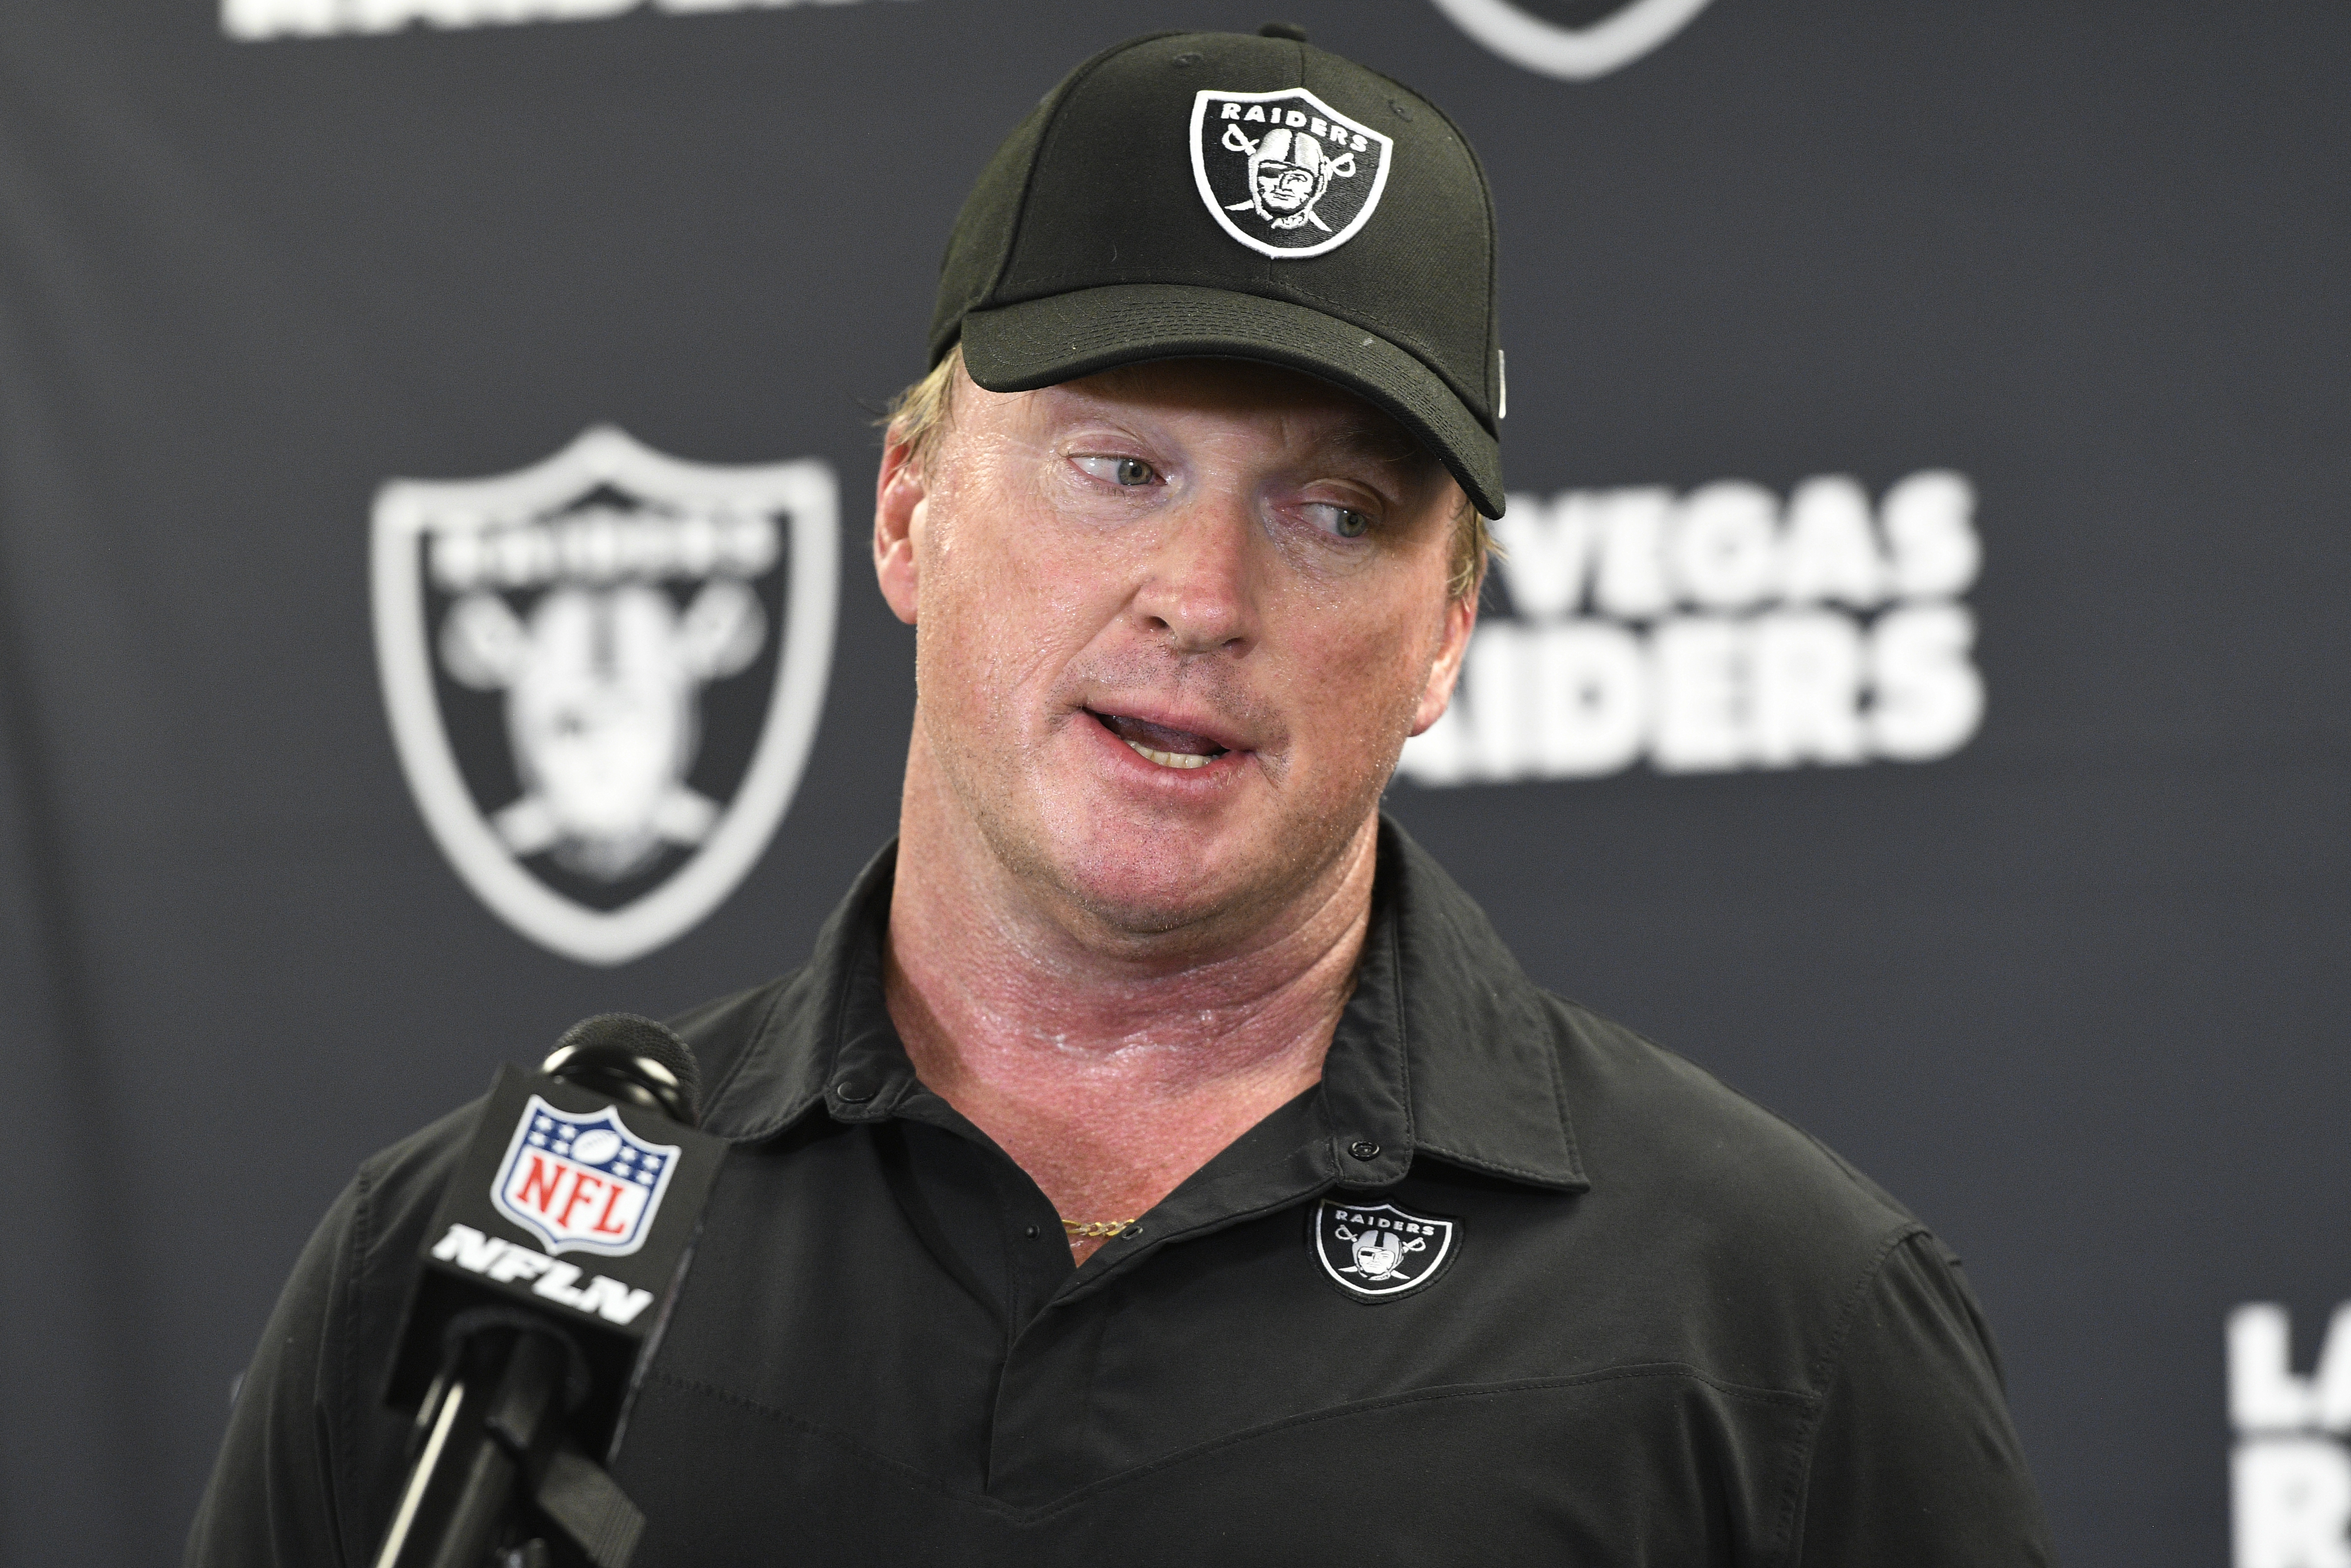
(1284, 188)
(1173, 623)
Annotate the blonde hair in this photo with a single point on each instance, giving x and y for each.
(918, 416)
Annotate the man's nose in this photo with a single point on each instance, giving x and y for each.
(1199, 588)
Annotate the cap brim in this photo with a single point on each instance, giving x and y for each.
(1039, 342)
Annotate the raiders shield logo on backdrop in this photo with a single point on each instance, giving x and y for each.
(1377, 1250)
(1575, 39)
(1284, 172)
(580, 1182)
(603, 674)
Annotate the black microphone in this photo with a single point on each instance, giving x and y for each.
(520, 1363)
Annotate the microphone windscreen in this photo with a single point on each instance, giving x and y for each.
(617, 1033)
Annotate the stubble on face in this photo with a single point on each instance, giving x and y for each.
(1058, 621)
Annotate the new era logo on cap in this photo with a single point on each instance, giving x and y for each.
(1284, 172)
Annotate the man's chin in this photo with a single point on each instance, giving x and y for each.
(1155, 881)
(1150, 879)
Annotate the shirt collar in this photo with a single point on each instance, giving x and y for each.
(1445, 1048)
(1446, 1039)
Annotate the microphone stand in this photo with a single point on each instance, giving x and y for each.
(489, 1434)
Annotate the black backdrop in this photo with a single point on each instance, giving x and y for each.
(2073, 990)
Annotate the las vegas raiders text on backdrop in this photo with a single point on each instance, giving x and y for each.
(604, 673)
(256, 19)
(1718, 631)
(2290, 1476)
(1284, 172)
(1575, 39)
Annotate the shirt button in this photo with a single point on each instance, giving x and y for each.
(1364, 1149)
(853, 1091)
(1030, 1233)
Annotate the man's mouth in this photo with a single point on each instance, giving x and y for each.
(1167, 747)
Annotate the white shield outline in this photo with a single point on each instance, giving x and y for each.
(607, 454)
(1572, 54)
(1217, 208)
(1323, 1253)
(555, 1245)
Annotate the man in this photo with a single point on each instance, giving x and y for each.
(1160, 1160)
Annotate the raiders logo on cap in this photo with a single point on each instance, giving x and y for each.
(1284, 172)
(1377, 1251)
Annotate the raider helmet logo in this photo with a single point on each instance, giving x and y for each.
(1377, 1250)
(603, 674)
(1284, 172)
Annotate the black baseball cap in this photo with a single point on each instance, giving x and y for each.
(1243, 197)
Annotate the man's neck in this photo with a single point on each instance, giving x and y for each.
(1109, 1065)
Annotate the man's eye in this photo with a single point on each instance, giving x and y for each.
(1344, 521)
(1128, 471)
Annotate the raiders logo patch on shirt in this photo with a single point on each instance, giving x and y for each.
(1284, 172)
(1377, 1251)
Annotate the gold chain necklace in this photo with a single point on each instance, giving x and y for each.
(1094, 1229)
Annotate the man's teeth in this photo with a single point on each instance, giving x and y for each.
(1170, 759)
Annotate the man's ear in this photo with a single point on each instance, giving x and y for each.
(898, 497)
(1460, 621)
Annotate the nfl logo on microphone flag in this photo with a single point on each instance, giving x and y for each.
(582, 1184)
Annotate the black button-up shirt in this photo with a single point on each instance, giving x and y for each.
(1510, 1284)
